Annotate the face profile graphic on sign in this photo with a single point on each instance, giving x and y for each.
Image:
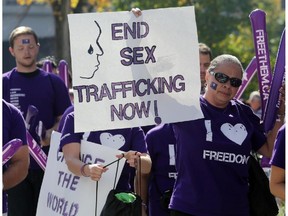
(92, 50)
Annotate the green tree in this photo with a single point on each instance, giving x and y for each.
(61, 8)
(223, 25)
(239, 41)
(217, 19)
(121, 5)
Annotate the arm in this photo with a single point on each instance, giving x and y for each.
(267, 148)
(18, 165)
(71, 153)
(18, 168)
(277, 179)
(277, 182)
(61, 103)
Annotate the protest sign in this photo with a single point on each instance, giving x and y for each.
(63, 193)
(133, 71)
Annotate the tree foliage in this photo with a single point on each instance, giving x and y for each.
(60, 10)
(223, 25)
(120, 5)
(239, 40)
(73, 3)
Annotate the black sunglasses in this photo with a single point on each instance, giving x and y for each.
(223, 78)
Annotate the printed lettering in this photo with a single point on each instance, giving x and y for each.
(225, 157)
(135, 56)
(68, 180)
(140, 88)
(171, 154)
(263, 63)
(61, 205)
(121, 31)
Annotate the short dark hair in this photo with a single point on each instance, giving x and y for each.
(205, 50)
(22, 30)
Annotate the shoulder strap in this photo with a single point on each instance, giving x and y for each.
(117, 168)
(139, 177)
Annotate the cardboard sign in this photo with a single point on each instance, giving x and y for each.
(133, 71)
(63, 193)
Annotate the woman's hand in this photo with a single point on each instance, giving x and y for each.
(95, 171)
(137, 12)
(131, 157)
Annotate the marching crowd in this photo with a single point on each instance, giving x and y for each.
(196, 167)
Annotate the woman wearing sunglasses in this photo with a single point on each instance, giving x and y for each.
(212, 152)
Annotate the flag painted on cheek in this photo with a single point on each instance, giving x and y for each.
(213, 85)
(25, 41)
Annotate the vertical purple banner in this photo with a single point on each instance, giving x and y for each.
(258, 22)
(47, 66)
(9, 149)
(63, 71)
(36, 152)
(34, 149)
(248, 75)
(278, 77)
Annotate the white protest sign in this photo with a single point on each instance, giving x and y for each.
(133, 71)
(63, 193)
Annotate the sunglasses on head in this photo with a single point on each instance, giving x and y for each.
(223, 78)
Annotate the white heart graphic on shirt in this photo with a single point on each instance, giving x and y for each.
(115, 142)
(236, 133)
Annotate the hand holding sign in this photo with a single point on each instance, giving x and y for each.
(75, 194)
(137, 12)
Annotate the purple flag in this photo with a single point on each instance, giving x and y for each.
(36, 152)
(9, 149)
(248, 75)
(63, 71)
(278, 75)
(47, 66)
(30, 119)
(258, 22)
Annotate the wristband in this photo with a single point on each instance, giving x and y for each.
(82, 170)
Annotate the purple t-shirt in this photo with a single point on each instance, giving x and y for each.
(211, 160)
(278, 156)
(46, 91)
(13, 125)
(133, 139)
(161, 147)
(62, 120)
